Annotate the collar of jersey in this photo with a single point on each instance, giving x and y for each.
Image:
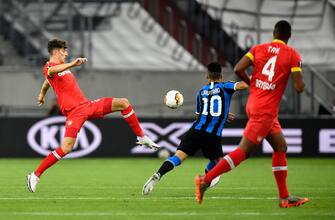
(278, 41)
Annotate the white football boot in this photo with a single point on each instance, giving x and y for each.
(146, 141)
(150, 184)
(32, 181)
(215, 181)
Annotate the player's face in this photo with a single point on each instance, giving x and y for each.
(62, 54)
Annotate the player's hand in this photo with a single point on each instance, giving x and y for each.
(40, 100)
(79, 61)
(231, 117)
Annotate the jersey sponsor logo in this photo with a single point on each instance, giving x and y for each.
(265, 85)
(47, 135)
(64, 73)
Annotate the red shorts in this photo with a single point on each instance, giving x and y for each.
(261, 125)
(93, 109)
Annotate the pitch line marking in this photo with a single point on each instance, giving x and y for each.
(170, 187)
(152, 198)
(165, 214)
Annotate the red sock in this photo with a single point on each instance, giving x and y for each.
(279, 168)
(50, 160)
(230, 161)
(131, 118)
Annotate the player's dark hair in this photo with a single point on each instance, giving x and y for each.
(56, 44)
(214, 71)
(282, 30)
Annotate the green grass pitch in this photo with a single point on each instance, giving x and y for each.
(111, 189)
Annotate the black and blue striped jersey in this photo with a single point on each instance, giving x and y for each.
(212, 107)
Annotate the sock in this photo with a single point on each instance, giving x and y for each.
(211, 164)
(49, 160)
(131, 118)
(230, 161)
(279, 168)
(169, 164)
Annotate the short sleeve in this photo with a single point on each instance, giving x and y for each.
(251, 54)
(296, 62)
(198, 103)
(46, 69)
(230, 87)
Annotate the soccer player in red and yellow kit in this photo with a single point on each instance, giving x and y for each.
(273, 64)
(76, 107)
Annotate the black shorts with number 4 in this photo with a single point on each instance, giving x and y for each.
(209, 144)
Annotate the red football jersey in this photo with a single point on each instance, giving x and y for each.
(273, 63)
(66, 88)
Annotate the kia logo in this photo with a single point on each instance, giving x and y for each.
(47, 135)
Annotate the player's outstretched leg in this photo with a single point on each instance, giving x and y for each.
(229, 162)
(200, 187)
(166, 167)
(129, 115)
(151, 183)
(211, 164)
(52, 158)
(146, 141)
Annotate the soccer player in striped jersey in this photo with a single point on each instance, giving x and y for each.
(274, 63)
(76, 107)
(212, 109)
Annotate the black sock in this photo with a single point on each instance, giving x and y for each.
(166, 167)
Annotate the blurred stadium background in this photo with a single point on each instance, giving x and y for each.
(142, 49)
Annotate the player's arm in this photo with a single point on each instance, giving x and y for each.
(197, 105)
(61, 67)
(241, 85)
(241, 66)
(298, 82)
(231, 117)
(43, 92)
(197, 115)
(296, 72)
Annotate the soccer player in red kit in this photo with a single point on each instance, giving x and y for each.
(273, 64)
(76, 107)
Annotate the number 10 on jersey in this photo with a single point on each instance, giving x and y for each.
(215, 112)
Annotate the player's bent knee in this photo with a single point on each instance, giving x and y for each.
(120, 104)
(125, 103)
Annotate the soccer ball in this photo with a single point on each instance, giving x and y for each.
(173, 99)
(163, 153)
